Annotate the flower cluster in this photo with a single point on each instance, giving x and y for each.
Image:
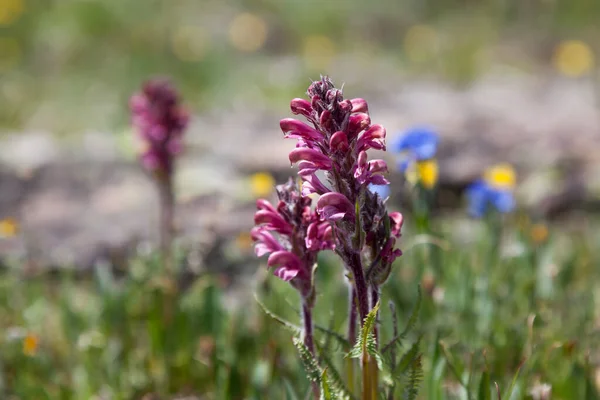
(292, 234)
(418, 147)
(493, 191)
(335, 141)
(160, 122)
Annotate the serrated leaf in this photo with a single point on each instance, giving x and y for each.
(313, 372)
(412, 321)
(415, 376)
(325, 390)
(296, 330)
(333, 375)
(366, 331)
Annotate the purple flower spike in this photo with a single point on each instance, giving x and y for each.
(335, 139)
(293, 235)
(160, 121)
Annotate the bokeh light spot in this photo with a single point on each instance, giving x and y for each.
(262, 184)
(573, 58)
(189, 43)
(30, 345)
(10, 11)
(318, 51)
(248, 32)
(428, 173)
(8, 228)
(420, 42)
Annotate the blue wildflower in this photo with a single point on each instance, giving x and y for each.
(495, 191)
(420, 143)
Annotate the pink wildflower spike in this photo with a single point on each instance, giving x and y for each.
(301, 106)
(160, 121)
(314, 156)
(334, 206)
(292, 128)
(397, 219)
(288, 248)
(359, 105)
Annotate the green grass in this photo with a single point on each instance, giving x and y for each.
(526, 312)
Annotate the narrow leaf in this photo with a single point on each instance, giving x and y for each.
(412, 321)
(484, 387)
(296, 330)
(514, 381)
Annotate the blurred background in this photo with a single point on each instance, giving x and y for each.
(500, 81)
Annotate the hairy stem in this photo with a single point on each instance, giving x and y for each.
(360, 286)
(351, 335)
(167, 212)
(308, 338)
(373, 364)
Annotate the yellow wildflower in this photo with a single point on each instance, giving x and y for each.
(8, 228)
(573, 58)
(262, 184)
(30, 344)
(428, 173)
(501, 176)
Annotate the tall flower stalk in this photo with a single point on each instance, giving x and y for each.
(335, 140)
(292, 234)
(160, 122)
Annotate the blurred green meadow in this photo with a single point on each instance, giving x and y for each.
(69, 65)
(501, 314)
(522, 315)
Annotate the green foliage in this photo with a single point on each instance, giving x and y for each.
(366, 338)
(415, 376)
(126, 336)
